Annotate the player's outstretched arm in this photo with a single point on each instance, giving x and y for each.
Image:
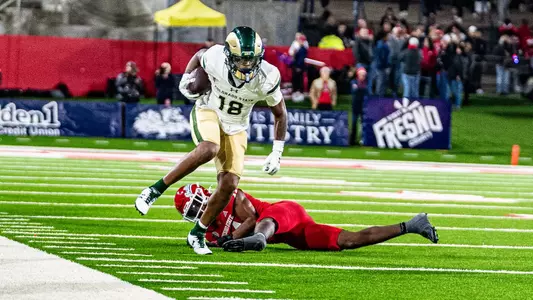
(245, 211)
(273, 161)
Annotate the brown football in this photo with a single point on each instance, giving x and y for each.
(201, 84)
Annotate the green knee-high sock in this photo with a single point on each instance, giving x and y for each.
(160, 186)
(199, 229)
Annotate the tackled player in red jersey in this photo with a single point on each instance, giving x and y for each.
(247, 223)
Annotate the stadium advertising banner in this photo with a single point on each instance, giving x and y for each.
(424, 123)
(305, 127)
(59, 118)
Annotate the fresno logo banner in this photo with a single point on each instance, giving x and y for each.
(424, 123)
(158, 122)
(62, 118)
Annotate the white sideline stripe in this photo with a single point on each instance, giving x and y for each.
(107, 219)
(28, 227)
(194, 281)
(98, 235)
(105, 253)
(19, 223)
(70, 242)
(89, 248)
(15, 219)
(457, 246)
(148, 267)
(455, 193)
(217, 290)
(309, 266)
(322, 211)
(231, 298)
(41, 230)
(347, 202)
(3, 213)
(55, 237)
(169, 274)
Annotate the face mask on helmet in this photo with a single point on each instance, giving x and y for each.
(196, 202)
(243, 67)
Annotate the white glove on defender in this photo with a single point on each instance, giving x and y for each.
(273, 161)
(184, 82)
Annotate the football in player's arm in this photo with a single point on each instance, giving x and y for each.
(247, 223)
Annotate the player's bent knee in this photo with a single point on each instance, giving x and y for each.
(228, 183)
(207, 150)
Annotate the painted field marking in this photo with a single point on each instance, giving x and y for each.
(3, 213)
(179, 146)
(296, 150)
(19, 223)
(105, 253)
(149, 267)
(517, 230)
(16, 219)
(344, 202)
(97, 235)
(487, 157)
(194, 281)
(55, 237)
(217, 290)
(88, 248)
(107, 219)
(140, 144)
(22, 139)
(27, 226)
(525, 159)
(47, 230)
(70, 242)
(333, 152)
(62, 141)
(311, 266)
(458, 246)
(387, 213)
(449, 156)
(257, 148)
(169, 274)
(101, 142)
(408, 154)
(372, 153)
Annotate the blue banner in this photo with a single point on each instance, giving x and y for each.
(147, 121)
(423, 124)
(306, 127)
(61, 118)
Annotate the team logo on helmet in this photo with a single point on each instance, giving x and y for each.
(244, 53)
(191, 201)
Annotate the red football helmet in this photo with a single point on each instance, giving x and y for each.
(191, 201)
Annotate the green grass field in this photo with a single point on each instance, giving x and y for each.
(82, 210)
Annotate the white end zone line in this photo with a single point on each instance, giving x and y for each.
(169, 274)
(194, 281)
(148, 267)
(311, 266)
(217, 290)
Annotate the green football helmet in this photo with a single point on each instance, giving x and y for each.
(244, 52)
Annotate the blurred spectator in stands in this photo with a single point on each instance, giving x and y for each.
(363, 52)
(396, 41)
(508, 28)
(382, 62)
(456, 76)
(526, 39)
(298, 52)
(444, 61)
(323, 91)
(504, 63)
(362, 24)
(479, 49)
(129, 84)
(386, 28)
(359, 94)
(343, 34)
(427, 68)
(165, 85)
(469, 67)
(389, 17)
(404, 7)
(331, 41)
(411, 58)
(458, 6)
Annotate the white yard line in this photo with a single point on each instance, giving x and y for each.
(105, 253)
(48, 230)
(148, 267)
(194, 281)
(27, 227)
(69, 242)
(30, 234)
(407, 214)
(105, 219)
(217, 290)
(458, 246)
(29, 273)
(518, 230)
(343, 202)
(310, 266)
(88, 248)
(169, 274)
(34, 236)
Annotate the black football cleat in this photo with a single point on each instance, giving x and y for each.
(420, 224)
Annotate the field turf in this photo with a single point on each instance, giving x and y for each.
(82, 210)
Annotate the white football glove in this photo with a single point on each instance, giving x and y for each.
(273, 161)
(184, 82)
